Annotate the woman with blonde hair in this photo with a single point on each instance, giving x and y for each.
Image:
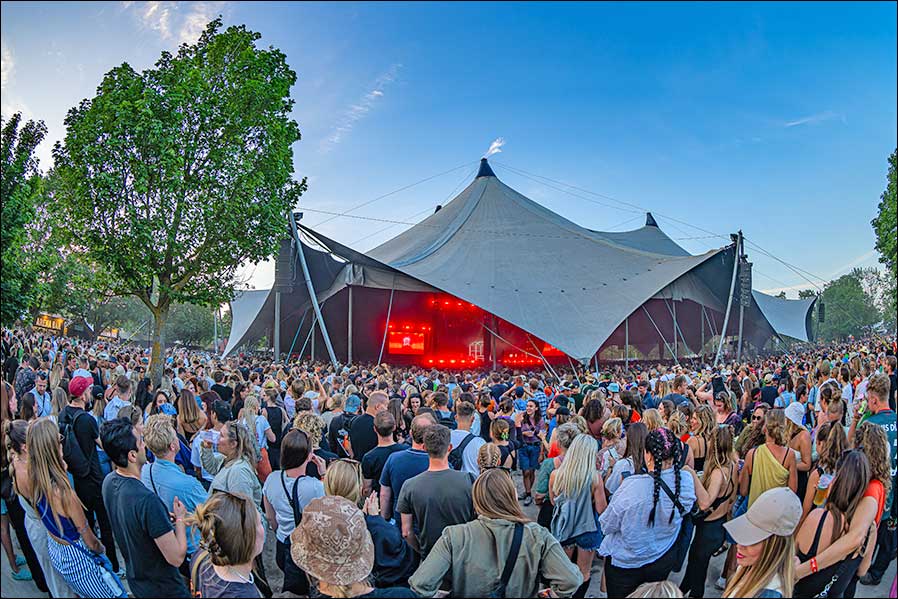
(254, 420)
(394, 560)
(16, 432)
(612, 445)
(232, 538)
(564, 435)
(701, 425)
(74, 550)
(59, 399)
(652, 419)
(344, 478)
(719, 481)
(578, 494)
(233, 466)
(57, 373)
(501, 534)
(488, 456)
(765, 548)
(772, 464)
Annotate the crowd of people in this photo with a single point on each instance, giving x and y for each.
(380, 481)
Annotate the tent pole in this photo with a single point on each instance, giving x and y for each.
(726, 318)
(660, 334)
(702, 319)
(311, 288)
(313, 339)
(387, 324)
(493, 341)
(296, 336)
(309, 336)
(277, 326)
(349, 330)
(627, 343)
(676, 340)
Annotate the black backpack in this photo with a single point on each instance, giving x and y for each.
(456, 455)
(72, 452)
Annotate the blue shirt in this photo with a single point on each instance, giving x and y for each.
(115, 404)
(168, 481)
(42, 403)
(400, 467)
(679, 400)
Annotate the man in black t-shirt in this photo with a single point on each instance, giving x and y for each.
(224, 392)
(152, 549)
(373, 461)
(362, 437)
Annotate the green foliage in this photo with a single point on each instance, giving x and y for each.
(190, 324)
(172, 177)
(851, 306)
(19, 178)
(885, 225)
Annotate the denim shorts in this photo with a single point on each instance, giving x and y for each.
(528, 456)
(587, 541)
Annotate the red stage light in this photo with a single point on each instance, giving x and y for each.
(442, 361)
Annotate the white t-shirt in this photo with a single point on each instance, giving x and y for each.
(469, 458)
(278, 488)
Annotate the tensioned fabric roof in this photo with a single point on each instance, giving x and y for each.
(787, 317)
(563, 283)
(492, 246)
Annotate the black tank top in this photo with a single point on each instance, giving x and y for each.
(276, 420)
(814, 584)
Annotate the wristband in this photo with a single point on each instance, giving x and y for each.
(814, 567)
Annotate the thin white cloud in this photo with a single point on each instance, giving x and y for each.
(495, 147)
(196, 20)
(360, 109)
(157, 16)
(182, 22)
(813, 119)
(7, 64)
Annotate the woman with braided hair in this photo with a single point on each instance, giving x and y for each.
(232, 536)
(641, 523)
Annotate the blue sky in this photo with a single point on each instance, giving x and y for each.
(776, 118)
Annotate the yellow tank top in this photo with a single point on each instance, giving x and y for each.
(766, 473)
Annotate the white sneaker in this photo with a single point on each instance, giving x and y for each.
(721, 584)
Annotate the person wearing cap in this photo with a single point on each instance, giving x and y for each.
(333, 546)
(765, 549)
(89, 485)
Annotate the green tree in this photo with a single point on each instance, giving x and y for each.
(190, 324)
(850, 308)
(19, 178)
(174, 176)
(885, 225)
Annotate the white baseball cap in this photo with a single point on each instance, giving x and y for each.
(775, 512)
(795, 412)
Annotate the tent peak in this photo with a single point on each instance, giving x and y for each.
(650, 220)
(485, 170)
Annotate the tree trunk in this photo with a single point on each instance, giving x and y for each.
(157, 357)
